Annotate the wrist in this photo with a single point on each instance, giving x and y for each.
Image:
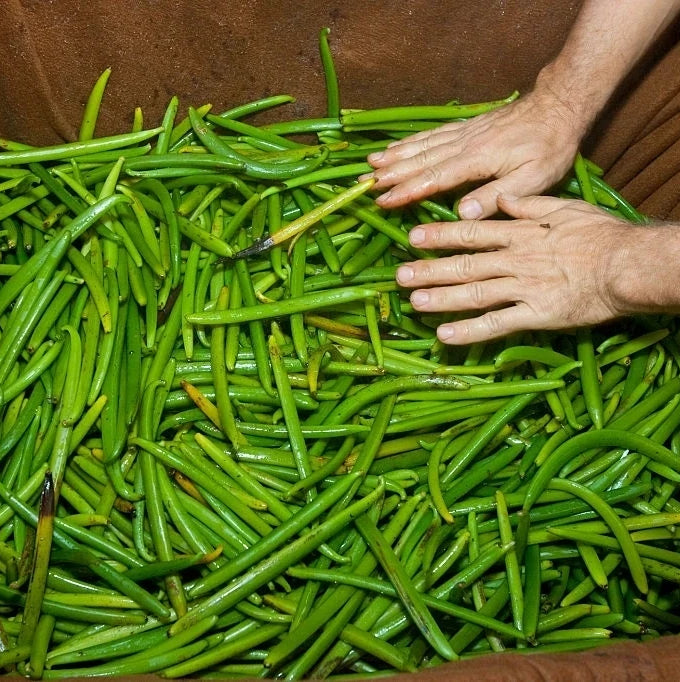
(577, 108)
(645, 270)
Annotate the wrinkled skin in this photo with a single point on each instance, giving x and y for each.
(525, 148)
(559, 264)
(587, 267)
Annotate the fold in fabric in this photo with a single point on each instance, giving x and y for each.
(637, 139)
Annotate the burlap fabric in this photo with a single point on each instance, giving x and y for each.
(387, 53)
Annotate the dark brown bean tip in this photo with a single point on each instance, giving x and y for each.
(47, 497)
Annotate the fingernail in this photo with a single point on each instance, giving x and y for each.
(376, 156)
(445, 333)
(405, 274)
(386, 196)
(420, 298)
(470, 209)
(417, 236)
(365, 176)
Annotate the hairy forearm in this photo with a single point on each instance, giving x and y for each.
(607, 39)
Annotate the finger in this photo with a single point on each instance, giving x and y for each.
(411, 146)
(471, 235)
(445, 128)
(483, 201)
(436, 178)
(530, 207)
(413, 161)
(491, 325)
(397, 150)
(470, 296)
(453, 270)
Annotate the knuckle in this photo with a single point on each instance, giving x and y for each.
(533, 174)
(462, 266)
(425, 271)
(426, 157)
(492, 323)
(426, 144)
(380, 175)
(476, 294)
(435, 234)
(432, 176)
(469, 233)
(434, 270)
(464, 330)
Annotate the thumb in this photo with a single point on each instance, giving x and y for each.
(483, 201)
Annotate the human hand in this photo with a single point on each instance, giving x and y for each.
(561, 263)
(522, 149)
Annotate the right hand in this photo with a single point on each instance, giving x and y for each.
(522, 149)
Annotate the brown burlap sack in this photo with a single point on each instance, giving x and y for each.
(387, 53)
(637, 139)
(228, 52)
(653, 661)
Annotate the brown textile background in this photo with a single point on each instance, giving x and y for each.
(630, 662)
(638, 138)
(231, 51)
(655, 661)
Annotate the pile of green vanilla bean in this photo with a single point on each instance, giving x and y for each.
(230, 447)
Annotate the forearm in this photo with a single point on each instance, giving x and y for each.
(608, 38)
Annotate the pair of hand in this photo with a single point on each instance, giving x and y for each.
(554, 266)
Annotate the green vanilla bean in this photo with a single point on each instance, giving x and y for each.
(278, 561)
(299, 304)
(447, 112)
(73, 149)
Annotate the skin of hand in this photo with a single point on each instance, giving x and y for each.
(527, 146)
(560, 263)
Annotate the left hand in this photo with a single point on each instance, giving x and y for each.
(560, 264)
